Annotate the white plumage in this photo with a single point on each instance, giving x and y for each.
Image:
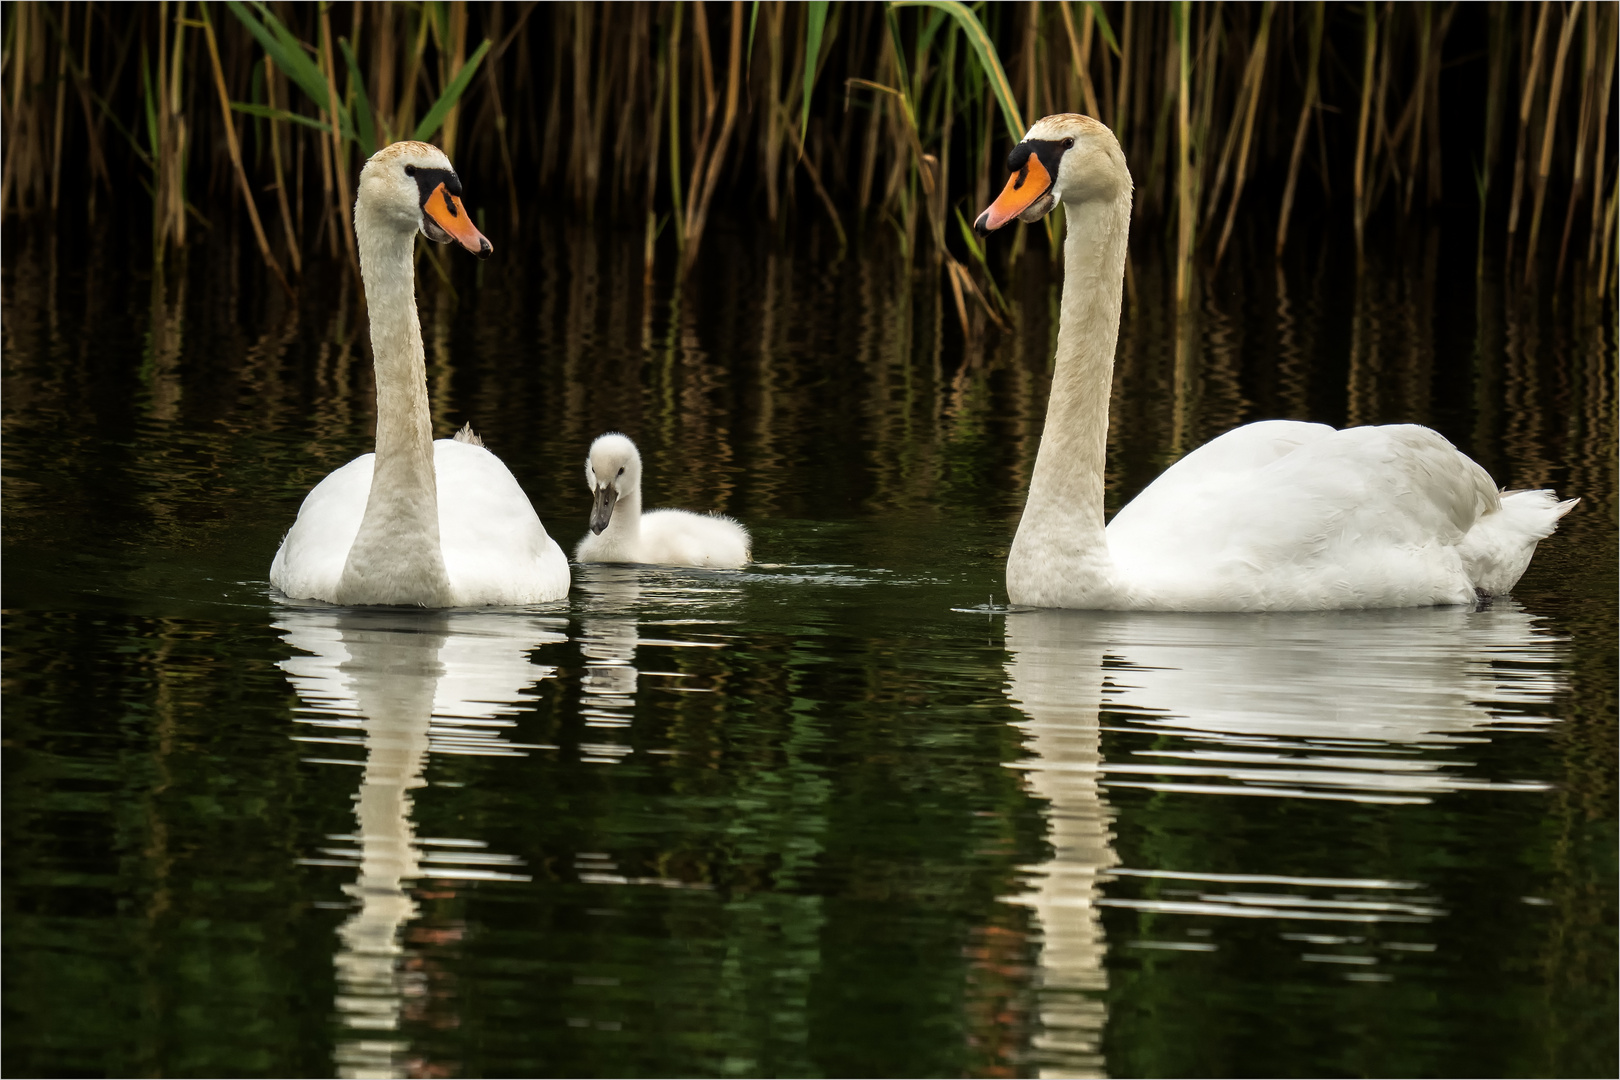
(432, 524)
(495, 550)
(621, 533)
(1278, 515)
(1283, 515)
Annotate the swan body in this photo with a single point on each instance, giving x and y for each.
(494, 548)
(621, 533)
(1277, 515)
(431, 524)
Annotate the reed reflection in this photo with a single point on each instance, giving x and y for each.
(403, 685)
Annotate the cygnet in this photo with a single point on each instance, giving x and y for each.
(621, 533)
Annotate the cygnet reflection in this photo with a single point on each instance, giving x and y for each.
(608, 639)
(403, 685)
(616, 604)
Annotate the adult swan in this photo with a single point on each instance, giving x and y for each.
(435, 524)
(1279, 515)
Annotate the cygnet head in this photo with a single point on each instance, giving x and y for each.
(612, 469)
(1065, 157)
(411, 187)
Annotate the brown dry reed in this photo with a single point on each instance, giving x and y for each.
(893, 117)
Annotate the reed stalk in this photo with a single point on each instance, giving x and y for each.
(1248, 105)
(1610, 35)
(706, 166)
(1555, 90)
(1588, 73)
(1079, 48)
(235, 151)
(1604, 264)
(452, 58)
(1185, 204)
(59, 112)
(1497, 48)
(16, 114)
(1312, 87)
(1417, 109)
(340, 154)
(1530, 65)
(1369, 54)
(890, 119)
(821, 192)
(272, 79)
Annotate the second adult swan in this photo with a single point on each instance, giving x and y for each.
(1279, 515)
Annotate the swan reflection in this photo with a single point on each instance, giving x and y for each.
(608, 639)
(1055, 678)
(403, 685)
(616, 603)
(1336, 705)
(1376, 707)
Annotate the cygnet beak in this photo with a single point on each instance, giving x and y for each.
(607, 496)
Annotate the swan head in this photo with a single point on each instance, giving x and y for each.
(612, 468)
(411, 186)
(1065, 157)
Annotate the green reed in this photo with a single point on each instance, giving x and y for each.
(875, 118)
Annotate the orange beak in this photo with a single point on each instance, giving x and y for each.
(446, 210)
(1025, 186)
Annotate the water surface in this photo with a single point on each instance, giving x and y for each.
(820, 816)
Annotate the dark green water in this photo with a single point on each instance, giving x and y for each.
(811, 818)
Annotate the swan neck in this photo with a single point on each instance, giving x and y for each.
(1061, 538)
(624, 527)
(396, 558)
(404, 422)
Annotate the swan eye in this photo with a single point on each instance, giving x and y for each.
(410, 170)
(1067, 143)
(621, 470)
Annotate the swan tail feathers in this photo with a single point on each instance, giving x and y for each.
(467, 435)
(1498, 548)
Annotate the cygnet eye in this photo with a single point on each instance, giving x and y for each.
(621, 470)
(410, 170)
(1067, 143)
